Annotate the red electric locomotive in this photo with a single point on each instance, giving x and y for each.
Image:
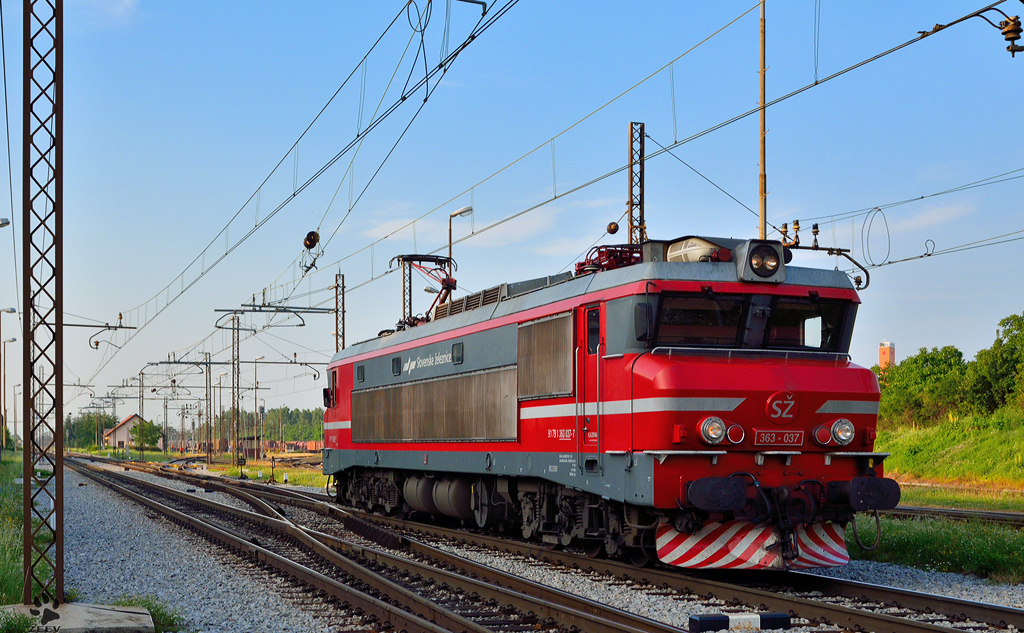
(690, 400)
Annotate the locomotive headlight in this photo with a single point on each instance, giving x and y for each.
(842, 431)
(712, 430)
(764, 260)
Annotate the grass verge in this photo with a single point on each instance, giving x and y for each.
(990, 551)
(165, 619)
(10, 529)
(980, 450)
(16, 622)
(966, 499)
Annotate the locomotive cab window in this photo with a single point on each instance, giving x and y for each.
(704, 320)
(396, 365)
(805, 323)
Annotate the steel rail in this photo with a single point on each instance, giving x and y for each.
(814, 611)
(489, 583)
(995, 615)
(438, 615)
(380, 609)
(811, 609)
(904, 598)
(1015, 519)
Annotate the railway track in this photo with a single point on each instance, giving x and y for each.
(1014, 519)
(409, 594)
(848, 604)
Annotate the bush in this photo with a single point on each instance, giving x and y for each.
(11, 622)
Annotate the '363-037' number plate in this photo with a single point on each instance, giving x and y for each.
(777, 437)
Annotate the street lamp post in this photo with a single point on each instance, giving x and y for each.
(255, 405)
(3, 388)
(460, 213)
(3, 361)
(16, 393)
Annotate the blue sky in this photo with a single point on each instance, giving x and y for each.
(176, 112)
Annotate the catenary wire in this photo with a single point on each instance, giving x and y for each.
(678, 143)
(666, 149)
(415, 88)
(10, 176)
(713, 184)
(545, 144)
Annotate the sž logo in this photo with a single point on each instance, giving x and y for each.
(781, 407)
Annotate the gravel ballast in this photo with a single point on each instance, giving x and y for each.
(113, 547)
(138, 553)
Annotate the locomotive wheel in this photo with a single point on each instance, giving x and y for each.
(565, 539)
(638, 556)
(593, 549)
(531, 522)
(613, 540)
(481, 503)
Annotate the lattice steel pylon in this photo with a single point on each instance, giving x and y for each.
(208, 432)
(637, 226)
(43, 288)
(236, 376)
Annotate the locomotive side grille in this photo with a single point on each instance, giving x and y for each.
(491, 295)
(457, 307)
(470, 302)
(478, 406)
(544, 356)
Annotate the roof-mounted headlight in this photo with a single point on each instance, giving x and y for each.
(760, 260)
(764, 261)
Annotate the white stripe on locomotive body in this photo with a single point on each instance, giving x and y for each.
(334, 426)
(619, 407)
(849, 407)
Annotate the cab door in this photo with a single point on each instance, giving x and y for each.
(590, 346)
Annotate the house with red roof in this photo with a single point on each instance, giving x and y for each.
(120, 435)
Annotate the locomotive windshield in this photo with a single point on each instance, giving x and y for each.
(752, 322)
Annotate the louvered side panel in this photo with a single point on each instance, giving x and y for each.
(479, 406)
(544, 357)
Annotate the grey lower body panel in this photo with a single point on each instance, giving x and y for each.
(626, 478)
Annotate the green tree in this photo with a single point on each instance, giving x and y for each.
(145, 434)
(80, 431)
(994, 378)
(923, 387)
